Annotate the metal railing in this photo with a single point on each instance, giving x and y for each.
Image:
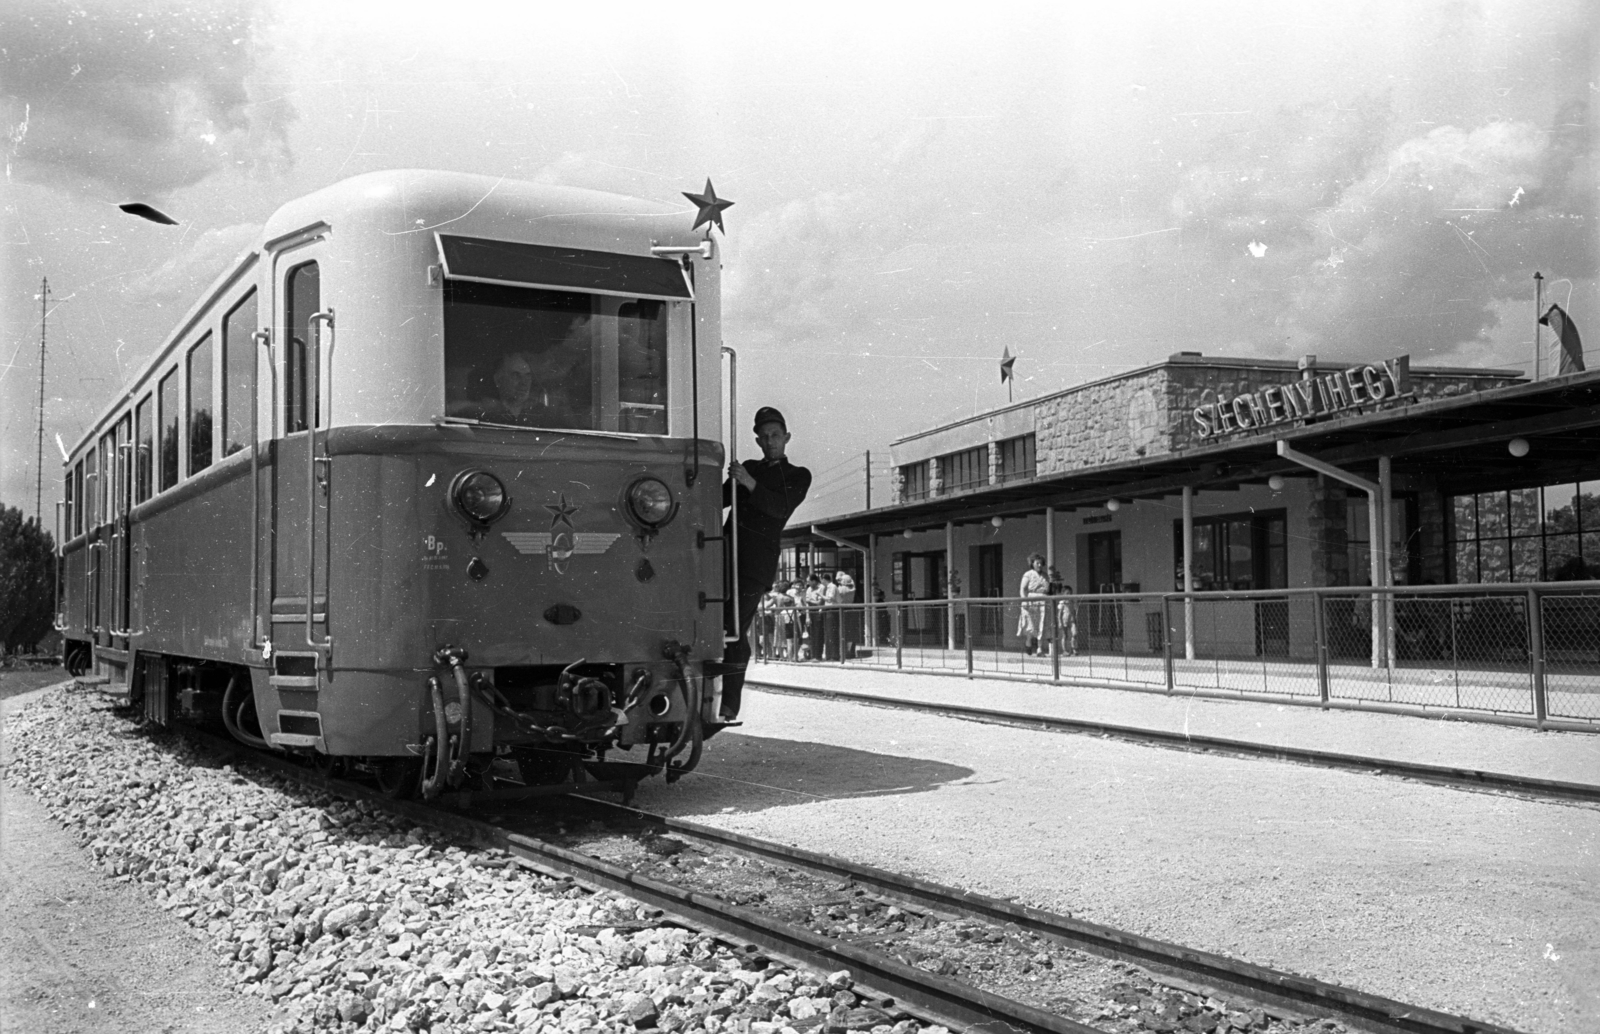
(1517, 651)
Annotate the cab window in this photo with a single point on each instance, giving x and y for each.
(560, 359)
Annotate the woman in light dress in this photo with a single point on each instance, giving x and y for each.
(1030, 619)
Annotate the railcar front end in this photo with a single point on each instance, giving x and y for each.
(427, 484)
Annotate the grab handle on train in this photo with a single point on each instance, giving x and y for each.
(733, 521)
(313, 397)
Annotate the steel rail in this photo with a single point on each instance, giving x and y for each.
(1298, 994)
(925, 995)
(1444, 775)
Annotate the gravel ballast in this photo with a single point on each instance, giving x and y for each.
(346, 920)
(1465, 902)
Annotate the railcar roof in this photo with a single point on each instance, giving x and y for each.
(422, 201)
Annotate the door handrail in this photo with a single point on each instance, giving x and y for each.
(313, 392)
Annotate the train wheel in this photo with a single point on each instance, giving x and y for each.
(398, 777)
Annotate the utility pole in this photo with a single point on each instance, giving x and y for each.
(869, 479)
(38, 473)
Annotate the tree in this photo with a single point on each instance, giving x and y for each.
(27, 581)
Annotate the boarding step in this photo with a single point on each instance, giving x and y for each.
(294, 681)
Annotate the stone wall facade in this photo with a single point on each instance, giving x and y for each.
(1145, 413)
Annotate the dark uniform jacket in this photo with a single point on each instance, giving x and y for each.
(763, 512)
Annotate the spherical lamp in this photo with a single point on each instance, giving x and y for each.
(906, 533)
(1275, 482)
(1518, 447)
(997, 521)
(1113, 505)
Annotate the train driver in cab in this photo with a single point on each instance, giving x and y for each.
(526, 394)
(770, 490)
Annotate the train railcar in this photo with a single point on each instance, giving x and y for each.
(427, 484)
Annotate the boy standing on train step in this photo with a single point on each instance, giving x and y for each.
(770, 490)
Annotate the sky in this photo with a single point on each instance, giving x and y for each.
(917, 187)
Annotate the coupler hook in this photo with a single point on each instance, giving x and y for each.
(461, 745)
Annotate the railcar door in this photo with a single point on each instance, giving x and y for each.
(303, 336)
(101, 544)
(117, 584)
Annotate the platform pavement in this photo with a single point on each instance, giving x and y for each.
(1524, 752)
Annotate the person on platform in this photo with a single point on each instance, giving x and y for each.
(850, 620)
(1030, 620)
(768, 491)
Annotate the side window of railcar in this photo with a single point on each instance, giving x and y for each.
(561, 359)
(200, 406)
(105, 487)
(77, 512)
(70, 512)
(91, 485)
(124, 465)
(143, 450)
(303, 291)
(167, 399)
(239, 376)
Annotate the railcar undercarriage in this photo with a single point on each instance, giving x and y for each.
(551, 726)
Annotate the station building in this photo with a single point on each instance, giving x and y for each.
(1276, 473)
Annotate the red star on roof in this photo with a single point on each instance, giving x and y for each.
(710, 207)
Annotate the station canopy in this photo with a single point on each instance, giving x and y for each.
(1460, 441)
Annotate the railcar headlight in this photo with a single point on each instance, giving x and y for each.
(480, 496)
(650, 502)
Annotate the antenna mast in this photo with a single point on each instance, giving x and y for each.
(38, 478)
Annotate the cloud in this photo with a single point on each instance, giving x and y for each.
(132, 98)
(1377, 248)
(182, 277)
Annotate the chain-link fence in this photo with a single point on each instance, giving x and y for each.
(1526, 650)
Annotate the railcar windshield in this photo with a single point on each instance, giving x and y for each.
(560, 359)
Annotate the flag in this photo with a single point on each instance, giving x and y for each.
(1007, 361)
(1556, 319)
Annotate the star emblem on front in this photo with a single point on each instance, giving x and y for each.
(561, 513)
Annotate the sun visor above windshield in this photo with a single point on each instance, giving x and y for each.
(565, 269)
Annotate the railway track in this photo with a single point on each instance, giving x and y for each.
(894, 982)
(1443, 775)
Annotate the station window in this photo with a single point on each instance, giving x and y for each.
(1526, 535)
(167, 418)
(963, 470)
(303, 288)
(1017, 458)
(143, 449)
(1240, 551)
(531, 357)
(239, 376)
(200, 406)
(914, 482)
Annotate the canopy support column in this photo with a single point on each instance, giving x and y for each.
(1374, 523)
(950, 583)
(1188, 572)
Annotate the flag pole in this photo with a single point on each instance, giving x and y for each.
(1538, 304)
